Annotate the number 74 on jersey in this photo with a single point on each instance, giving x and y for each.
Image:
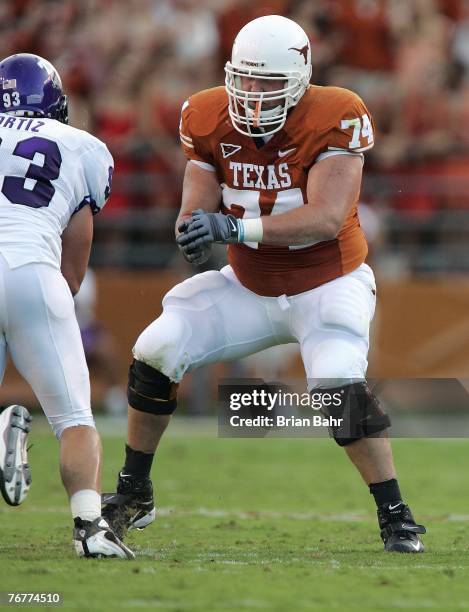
(362, 129)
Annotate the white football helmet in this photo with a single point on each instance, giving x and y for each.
(268, 48)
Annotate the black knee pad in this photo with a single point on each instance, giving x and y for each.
(149, 390)
(358, 415)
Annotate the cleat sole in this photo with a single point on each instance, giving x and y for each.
(144, 521)
(15, 474)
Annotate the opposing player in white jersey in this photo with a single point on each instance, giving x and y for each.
(53, 178)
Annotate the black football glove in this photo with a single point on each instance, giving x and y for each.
(205, 228)
(196, 255)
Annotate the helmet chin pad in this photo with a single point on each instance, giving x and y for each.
(258, 116)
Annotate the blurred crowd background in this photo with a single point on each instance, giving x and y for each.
(128, 65)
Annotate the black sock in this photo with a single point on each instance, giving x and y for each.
(386, 492)
(137, 464)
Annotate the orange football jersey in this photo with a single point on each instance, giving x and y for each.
(272, 178)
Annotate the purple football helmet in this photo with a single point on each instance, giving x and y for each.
(31, 86)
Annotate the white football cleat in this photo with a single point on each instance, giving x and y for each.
(15, 476)
(96, 539)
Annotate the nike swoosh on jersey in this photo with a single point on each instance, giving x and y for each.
(284, 153)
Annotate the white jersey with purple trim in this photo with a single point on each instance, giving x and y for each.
(48, 171)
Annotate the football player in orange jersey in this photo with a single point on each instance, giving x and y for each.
(274, 170)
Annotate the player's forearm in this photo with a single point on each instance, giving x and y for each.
(201, 189)
(76, 247)
(333, 187)
(300, 226)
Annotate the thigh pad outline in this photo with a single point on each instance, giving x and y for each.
(348, 307)
(198, 292)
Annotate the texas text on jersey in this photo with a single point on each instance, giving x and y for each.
(272, 178)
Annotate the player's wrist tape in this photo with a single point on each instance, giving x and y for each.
(250, 230)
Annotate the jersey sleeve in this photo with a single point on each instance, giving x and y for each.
(195, 147)
(98, 167)
(354, 127)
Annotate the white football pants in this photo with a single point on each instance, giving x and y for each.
(211, 317)
(39, 328)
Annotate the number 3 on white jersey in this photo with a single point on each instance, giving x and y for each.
(362, 128)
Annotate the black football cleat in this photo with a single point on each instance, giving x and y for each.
(131, 507)
(399, 531)
(96, 539)
(15, 476)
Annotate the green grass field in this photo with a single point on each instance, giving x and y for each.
(260, 524)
